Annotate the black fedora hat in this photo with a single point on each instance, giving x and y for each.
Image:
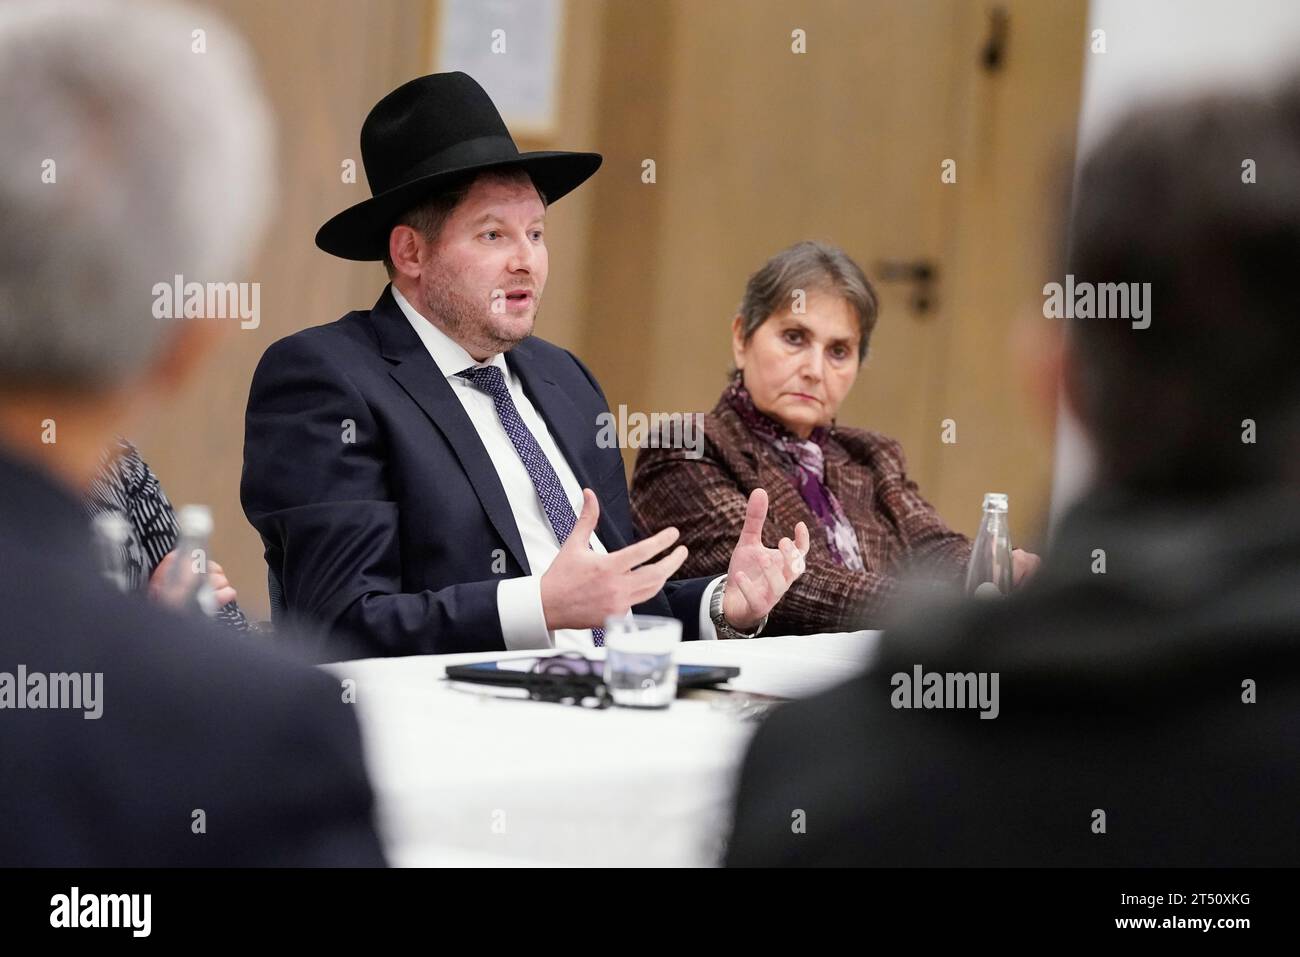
(428, 134)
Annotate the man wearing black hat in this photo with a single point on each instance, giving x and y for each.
(426, 475)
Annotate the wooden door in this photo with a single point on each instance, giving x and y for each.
(757, 146)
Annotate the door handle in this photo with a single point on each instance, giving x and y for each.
(922, 274)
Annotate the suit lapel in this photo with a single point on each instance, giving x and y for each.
(855, 489)
(785, 506)
(419, 375)
(851, 486)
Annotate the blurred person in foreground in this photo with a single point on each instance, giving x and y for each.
(1148, 699)
(130, 736)
(798, 344)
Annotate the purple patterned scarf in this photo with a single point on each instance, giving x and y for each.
(808, 466)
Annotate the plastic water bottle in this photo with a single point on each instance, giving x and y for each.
(188, 587)
(112, 534)
(989, 572)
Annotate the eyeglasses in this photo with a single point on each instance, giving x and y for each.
(569, 678)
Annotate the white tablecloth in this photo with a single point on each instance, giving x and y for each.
(468, 779)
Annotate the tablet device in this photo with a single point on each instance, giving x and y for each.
(517, 672)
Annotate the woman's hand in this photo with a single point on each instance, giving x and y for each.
(1023, 566)
(158, 590)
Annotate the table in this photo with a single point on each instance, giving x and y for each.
(466, 779)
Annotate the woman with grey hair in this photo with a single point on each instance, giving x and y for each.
(798, 341)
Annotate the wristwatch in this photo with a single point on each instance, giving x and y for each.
(720, 620)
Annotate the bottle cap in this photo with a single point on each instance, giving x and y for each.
(112, 527)
(195, 521)
(997, 501)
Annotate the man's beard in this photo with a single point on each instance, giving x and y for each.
(467, 320)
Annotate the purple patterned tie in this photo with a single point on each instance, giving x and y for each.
(556, 505)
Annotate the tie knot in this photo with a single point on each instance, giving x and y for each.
(486, 379)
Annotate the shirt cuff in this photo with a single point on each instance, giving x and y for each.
(519, 606)
(707, 631)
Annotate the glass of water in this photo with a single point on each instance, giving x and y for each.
(639, 667)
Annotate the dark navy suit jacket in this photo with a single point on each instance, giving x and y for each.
(192, 718)
(382, 514)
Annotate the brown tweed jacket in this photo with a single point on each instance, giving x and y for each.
(706, 497)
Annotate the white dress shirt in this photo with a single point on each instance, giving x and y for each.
(519, 600)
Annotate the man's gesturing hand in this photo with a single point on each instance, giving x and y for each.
(758, 576)
(583, 587)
